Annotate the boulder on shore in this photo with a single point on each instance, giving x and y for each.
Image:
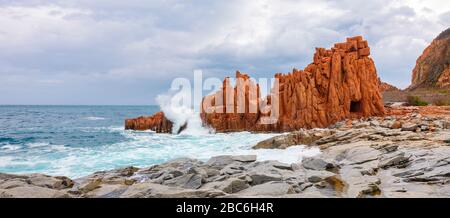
(157, 122)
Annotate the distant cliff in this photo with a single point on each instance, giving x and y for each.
(432, 68)
(384, 86)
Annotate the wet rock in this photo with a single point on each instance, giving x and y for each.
(59, 183)
(231, 170)
(398, 160)
(166, 171)
(122, 176)
(410, 127)
(262, 177)
(446, 124)
(396, 125)
(268, 189)
(305, 185)
(127, 171)
(107, 191)
(283, 166)
(424, 128)
(86, 186)
(212, 172)
(12, 183)
(362, 125)
(318, 176)
(5, 176)
(220, 161)
(188, 181)
(390, 148)
(374, 123)
(315, 179)
(312, 163)
(31, 192)
(301, 137)
(359, 155)
(229, 186)
(152, 190)
(371, 190)
(438, 173)
(197, 170)
(244, 158)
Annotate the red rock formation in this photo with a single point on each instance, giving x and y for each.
(341, 83)
(157, 122)
(432, 68)
(384, 86)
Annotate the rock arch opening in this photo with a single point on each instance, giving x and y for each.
(355, 106)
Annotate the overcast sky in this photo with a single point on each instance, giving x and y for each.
(128, 52)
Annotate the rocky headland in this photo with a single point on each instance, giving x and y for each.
(340, 83)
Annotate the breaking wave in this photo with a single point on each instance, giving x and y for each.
(181, 115)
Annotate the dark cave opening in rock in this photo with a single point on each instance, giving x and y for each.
(355, 106)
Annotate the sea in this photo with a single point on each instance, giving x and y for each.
(76, 141)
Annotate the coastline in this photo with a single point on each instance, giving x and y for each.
(405, 154)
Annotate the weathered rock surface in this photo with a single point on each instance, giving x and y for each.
(380, 161)
(341, 83)
(34, 186)
(300, 137)
(432, 68)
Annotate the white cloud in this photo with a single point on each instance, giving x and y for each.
(59, 45)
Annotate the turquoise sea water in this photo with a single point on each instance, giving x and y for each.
(78, 140)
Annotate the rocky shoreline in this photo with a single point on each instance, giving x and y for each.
(406, 154)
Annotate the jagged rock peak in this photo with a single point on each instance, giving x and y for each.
(341, 82)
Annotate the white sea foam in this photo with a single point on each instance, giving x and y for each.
(180, 115)
(6, 161)
(94, 118)
(143, 149)
(37, 144)
(9, 147)
(166, 146)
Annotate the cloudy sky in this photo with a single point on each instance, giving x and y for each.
(128, 52)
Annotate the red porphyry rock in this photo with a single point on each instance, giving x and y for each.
(157, 122)
(340, 83)
(432, 68)
(384, 86)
